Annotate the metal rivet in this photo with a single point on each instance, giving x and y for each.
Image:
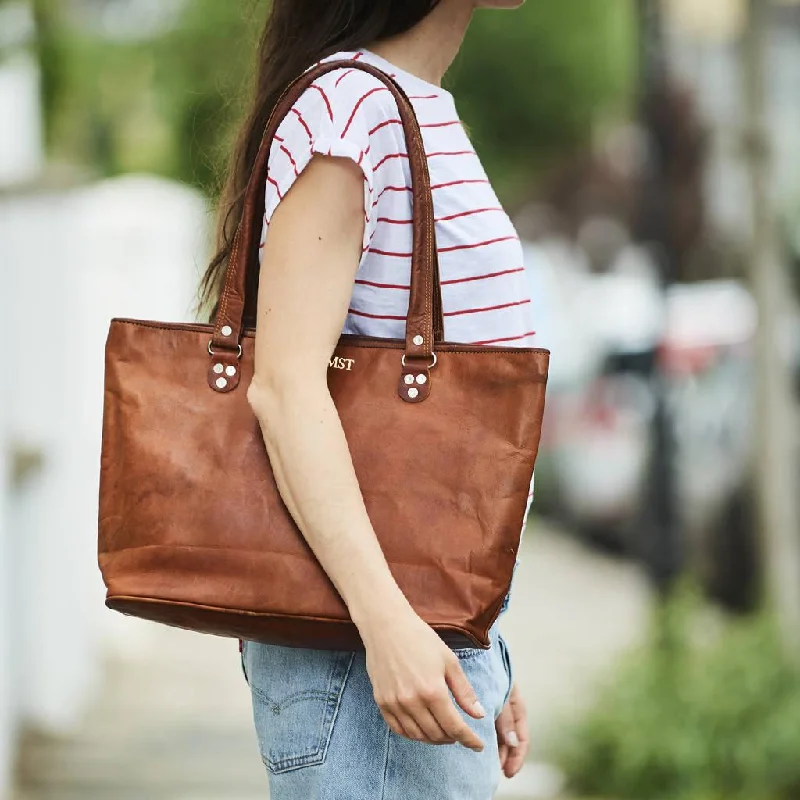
(230, 371)
(412, 393)
(409, 379)
(422, 380)
(221, 383)
(226, 330)
(218, 368)
(418, 340)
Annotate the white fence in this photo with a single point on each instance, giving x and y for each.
(6, 710)
(70, 261)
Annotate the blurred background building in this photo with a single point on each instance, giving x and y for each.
(649, 152)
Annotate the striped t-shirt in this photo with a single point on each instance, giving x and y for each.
(351, 114)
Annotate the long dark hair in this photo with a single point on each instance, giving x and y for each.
(298, 33)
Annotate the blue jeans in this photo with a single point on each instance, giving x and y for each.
(322, 736)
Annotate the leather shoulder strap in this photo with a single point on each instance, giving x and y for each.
(424, 324)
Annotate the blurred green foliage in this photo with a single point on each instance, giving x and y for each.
(531, 85)
(695, 715)
(534, 83)
(790, 230)
(167, 105)
(202, 73)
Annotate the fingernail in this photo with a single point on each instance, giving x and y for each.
(512, 740)
(479, 709)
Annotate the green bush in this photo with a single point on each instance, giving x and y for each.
(714, 717)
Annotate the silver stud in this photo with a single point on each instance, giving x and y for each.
(418, 340)
(218, 368)
(231, 371)
(226, 330)
(409, 379)
(221, 383)
(413, 393)
(422, 380)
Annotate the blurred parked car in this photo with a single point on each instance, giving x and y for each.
(598, 438)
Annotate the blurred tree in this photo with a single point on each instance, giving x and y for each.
(91, 89)
(203, 69)
(164, 104)
(51, 55)
(775, 462)
(531, 86)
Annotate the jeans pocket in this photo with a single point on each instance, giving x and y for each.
(242, 645)
(296, 694)
(467, 653)
(506, 656)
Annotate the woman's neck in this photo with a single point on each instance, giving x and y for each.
(430, 47)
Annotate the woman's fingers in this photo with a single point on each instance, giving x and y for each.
(515, 758)
(462, 689)
(394, 723)
(453, 724)
(430, 727)
(430, 716)
(505, 727)
(517, 737)
(410, 726)
(503, 751)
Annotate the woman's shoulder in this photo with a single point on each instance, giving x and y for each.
(343, 113)
(349, 96)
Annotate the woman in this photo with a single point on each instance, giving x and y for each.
(335, 258)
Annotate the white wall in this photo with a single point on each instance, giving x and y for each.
(128, 247)
(139, 246)
(7, 716)
(21, 159)
(20, 120)
(69, 261)
(47, 611)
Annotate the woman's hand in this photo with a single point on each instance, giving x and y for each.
(512, 734)
(411, 670)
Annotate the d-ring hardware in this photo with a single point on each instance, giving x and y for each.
(435, 359)
(211, 350)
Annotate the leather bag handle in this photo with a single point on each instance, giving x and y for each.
(424, 323)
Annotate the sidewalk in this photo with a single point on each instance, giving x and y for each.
(174, 723)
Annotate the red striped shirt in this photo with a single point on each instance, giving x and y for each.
(350, 114)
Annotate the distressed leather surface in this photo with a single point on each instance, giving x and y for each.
(192, 530)
(190, 513)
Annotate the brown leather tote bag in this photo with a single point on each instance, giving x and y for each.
(443, 436)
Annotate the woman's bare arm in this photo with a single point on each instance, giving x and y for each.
(308, 267)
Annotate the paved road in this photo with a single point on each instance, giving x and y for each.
(173, 721)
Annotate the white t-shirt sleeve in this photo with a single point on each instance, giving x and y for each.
(334, 117)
